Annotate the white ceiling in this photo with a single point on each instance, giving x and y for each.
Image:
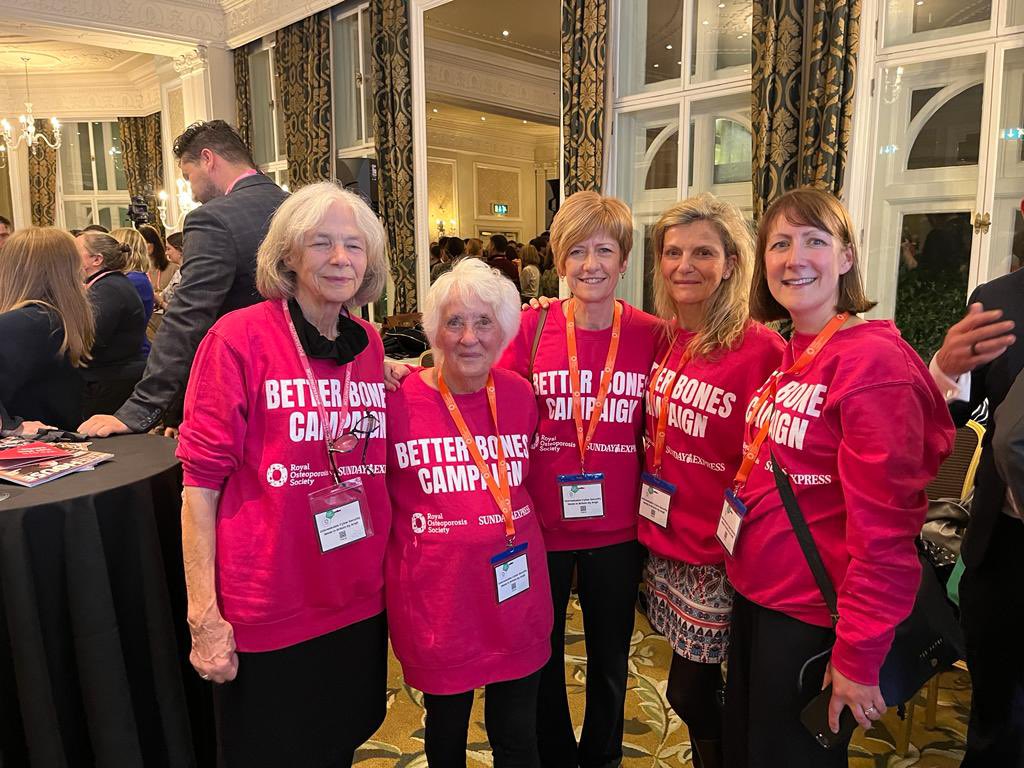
(61, 56)
(470, 120)
(534, 26)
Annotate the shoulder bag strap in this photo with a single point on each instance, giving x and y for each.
(536, 343)
(803, 535)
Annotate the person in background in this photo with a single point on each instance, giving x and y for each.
(1008, 445)
(475, 247)
(529, 275)
(703, 254)
(548, 274)
(161, 269)
(469, 603)
(453, 250)
(96, 228)
(219, 266)
(136, 270)
(497, 257)
(174, 247)
(46, 330)
(6, 229)
(854, 423)
(589, 375)
(286, 514)
(116, 360)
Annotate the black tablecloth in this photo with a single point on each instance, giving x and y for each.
(93, 641)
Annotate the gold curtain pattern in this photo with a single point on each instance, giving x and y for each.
(243, 95)
(143, 159)
(42, 180)
(584, 67)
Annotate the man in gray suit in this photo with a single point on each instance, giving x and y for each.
(218, 266)
(1008, 445)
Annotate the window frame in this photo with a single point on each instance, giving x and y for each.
(96, 198)
(277, 168)
(368, 142)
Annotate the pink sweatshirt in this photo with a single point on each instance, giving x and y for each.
(613, 449)
(252, 432)
(447, 628)
(704, 438)
(861, 432)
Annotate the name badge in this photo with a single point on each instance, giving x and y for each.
(655, 499)
(582, 495)
(511, 573)
(339, 515)
(729, 524)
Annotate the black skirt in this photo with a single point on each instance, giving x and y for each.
(307, 706)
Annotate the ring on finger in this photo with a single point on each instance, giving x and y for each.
(974, 349)
(870, 709)
(205, 677)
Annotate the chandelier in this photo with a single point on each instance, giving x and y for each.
(27, 133)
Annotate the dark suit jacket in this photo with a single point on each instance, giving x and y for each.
(992, 381)
(1008, 441)
(218, 275)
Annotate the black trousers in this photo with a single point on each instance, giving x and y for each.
(607, 579)
(991, 606)
(762, 726)
(510, 717)
(306, 706)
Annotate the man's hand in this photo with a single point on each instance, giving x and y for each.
(979, 338)
(865, 701)
(213, 649)
(31, 427)
(102, 425)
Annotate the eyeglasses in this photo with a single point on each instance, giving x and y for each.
(346, 443)
(481, 326)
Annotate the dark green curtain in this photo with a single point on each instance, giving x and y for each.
(302, 67)
(243, 95)
(143, 159)
(392, 126)
(42, 179)
(584, 67)
(802, 125)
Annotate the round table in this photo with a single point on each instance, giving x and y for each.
(93, 641)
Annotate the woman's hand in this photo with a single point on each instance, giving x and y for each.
(865, 701)
(542, 302)
(394, 373)
(213, 653)
(31, 427)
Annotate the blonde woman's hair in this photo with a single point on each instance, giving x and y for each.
(474, 247)
(726, 315)
(138, 257)
(41, 265)
(585, 214)
(301, 213)
(529, 255)
(115, 254)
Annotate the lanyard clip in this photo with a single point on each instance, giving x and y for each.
(510, 540)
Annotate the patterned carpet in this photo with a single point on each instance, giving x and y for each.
(654, 736)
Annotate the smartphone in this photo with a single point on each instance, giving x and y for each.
(815, 719)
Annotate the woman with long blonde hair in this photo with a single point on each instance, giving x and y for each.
(136, 269)
(46, 330)
(710, 362)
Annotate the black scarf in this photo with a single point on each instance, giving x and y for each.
(352, 338)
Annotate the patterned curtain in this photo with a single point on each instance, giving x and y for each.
(302, 67)
(243, 95)
(392, 126)
(802, 130)
(143, 159)
(42, 180)
(584, 52)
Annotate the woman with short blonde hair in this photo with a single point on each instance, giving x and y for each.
(46, 326)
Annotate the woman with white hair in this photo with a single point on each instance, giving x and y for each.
(286, 515)
(469, 603)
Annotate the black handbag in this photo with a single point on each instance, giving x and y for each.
(928, 641)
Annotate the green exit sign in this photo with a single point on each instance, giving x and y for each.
(500, 209)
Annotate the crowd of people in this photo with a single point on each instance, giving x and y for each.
(333, 501)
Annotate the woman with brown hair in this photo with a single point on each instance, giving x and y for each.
(852, 428)
(46, 330)
(161, 268)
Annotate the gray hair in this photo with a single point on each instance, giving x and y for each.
(471, 278)
(300, 213)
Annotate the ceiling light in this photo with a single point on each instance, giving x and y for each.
(435, 109)
(27, 128)
(705, 22)
(680, 62)
(524, 122)
(504, 33)
(721, 5)
(656, 66)
(482, 117)
(668, 47)
(740, 37)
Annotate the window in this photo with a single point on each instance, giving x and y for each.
(268, 143)
(653, 167)
(352, 82)
(94, 189)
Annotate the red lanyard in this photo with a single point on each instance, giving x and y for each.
(751, 451)
(574, 376)
(314, 385)
(499, 488)
(659, 436)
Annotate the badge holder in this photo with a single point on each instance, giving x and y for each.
(582, 495)
(511, 572)
(729, 524)
(655, 498)
(339, 515)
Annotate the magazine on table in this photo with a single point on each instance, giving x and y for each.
(40, 472)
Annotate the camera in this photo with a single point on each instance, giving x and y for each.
(138, 211)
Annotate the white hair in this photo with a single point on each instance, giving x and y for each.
(471, 278)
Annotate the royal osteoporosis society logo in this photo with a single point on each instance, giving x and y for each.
(277, 475)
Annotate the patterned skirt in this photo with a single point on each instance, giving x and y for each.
(691, 605)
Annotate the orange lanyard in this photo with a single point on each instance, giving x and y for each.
(499, 489)
(659, 437)
(751, 451)
(574, 376)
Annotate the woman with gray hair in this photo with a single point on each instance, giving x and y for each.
(286, 515)
(469, 603)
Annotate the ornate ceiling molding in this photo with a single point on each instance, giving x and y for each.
(248, 20)
(193, 61)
